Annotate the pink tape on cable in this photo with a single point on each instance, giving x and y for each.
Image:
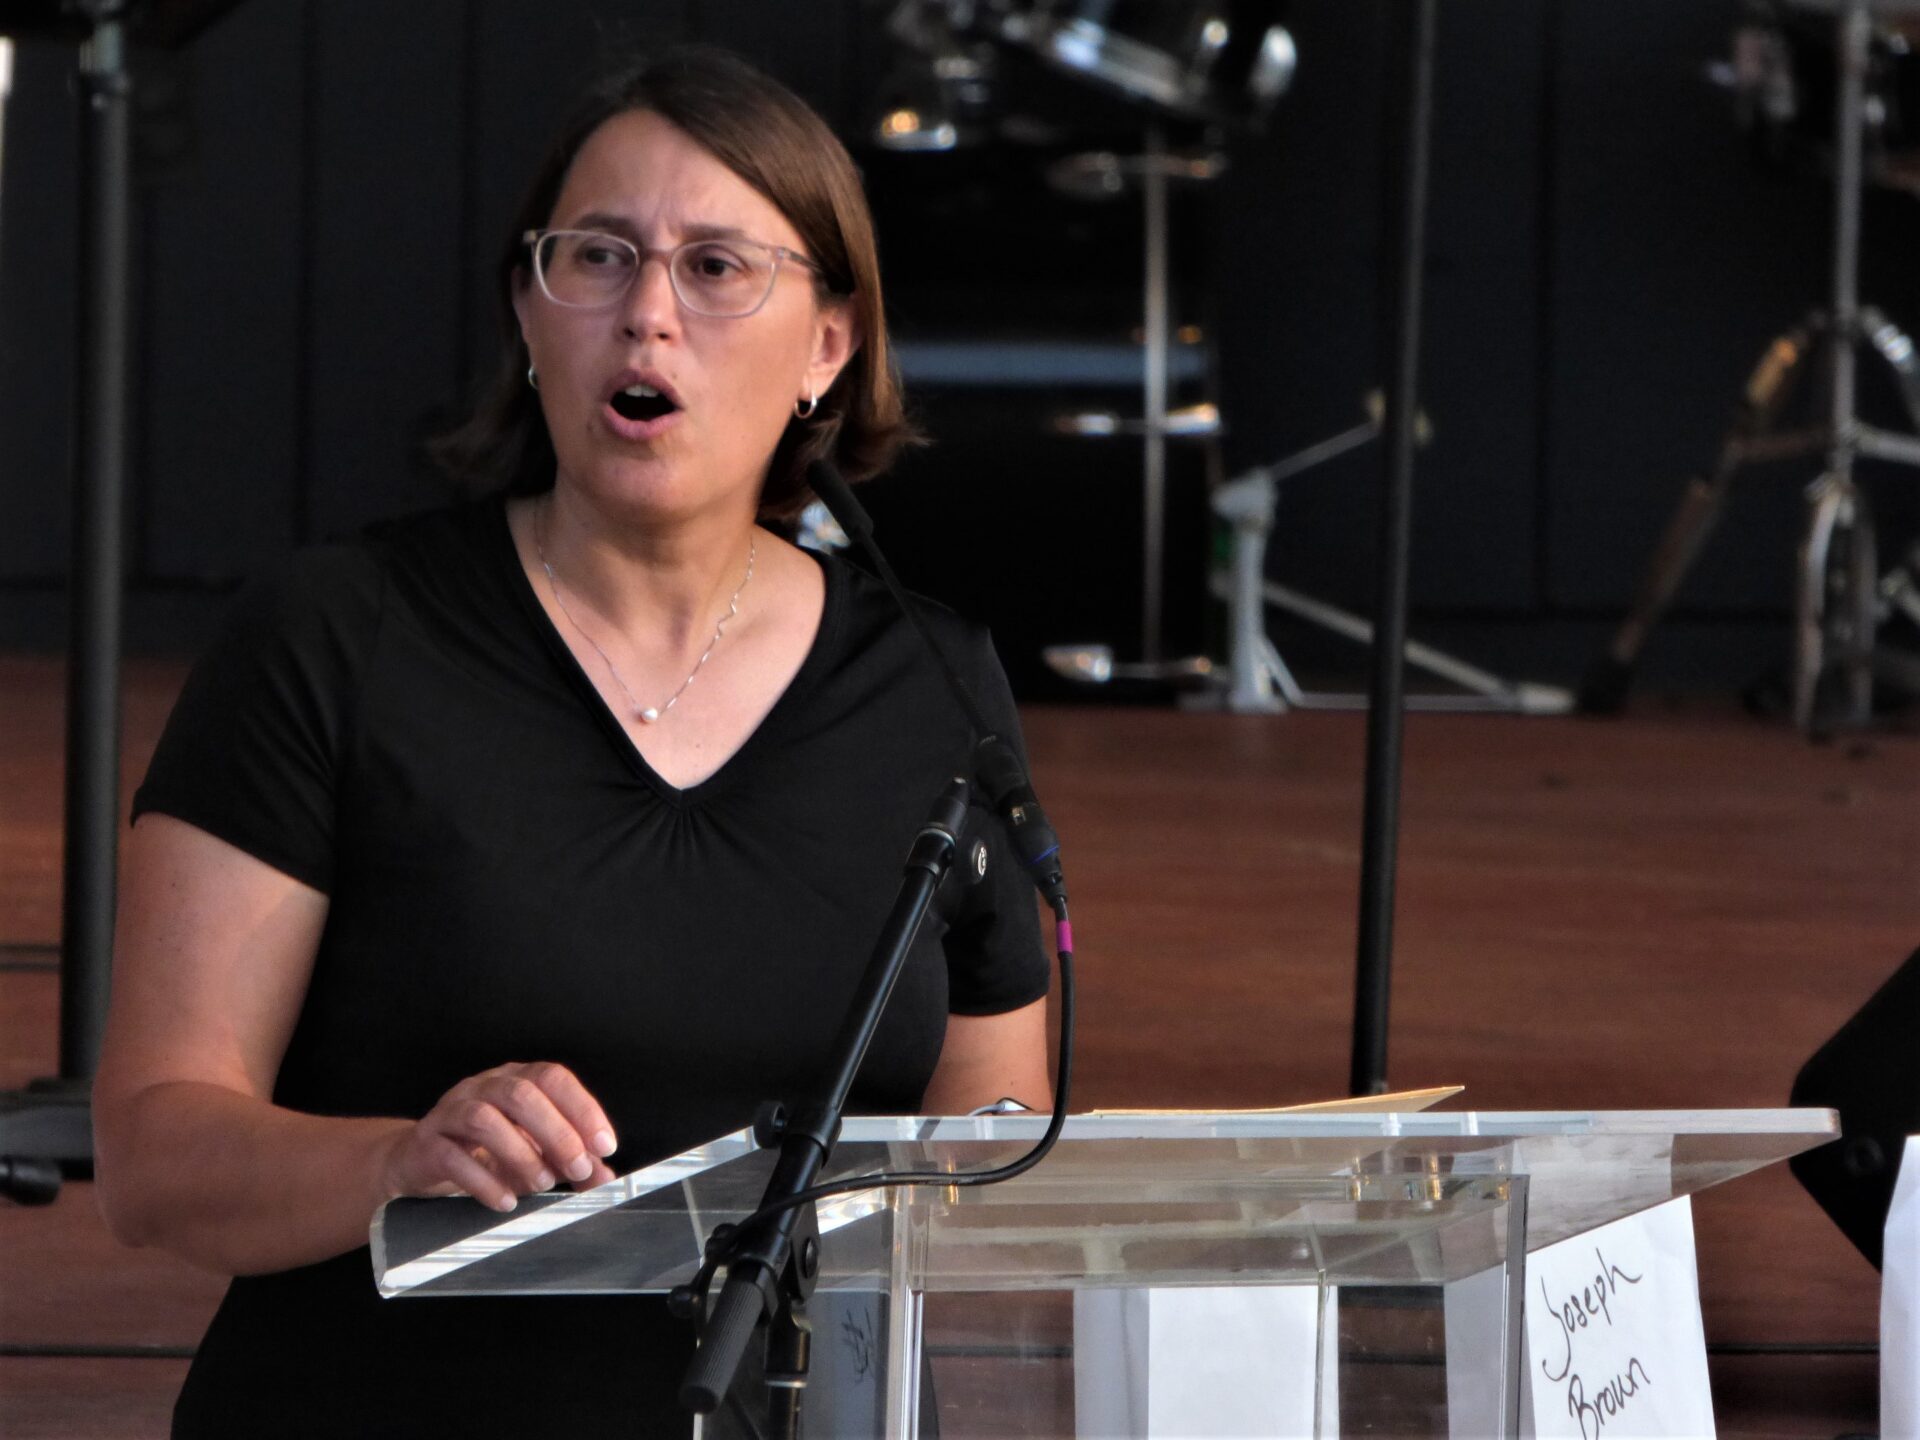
(1066, 935)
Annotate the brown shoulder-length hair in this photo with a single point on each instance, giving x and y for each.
(775, 142)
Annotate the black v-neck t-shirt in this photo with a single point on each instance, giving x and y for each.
(396, 723)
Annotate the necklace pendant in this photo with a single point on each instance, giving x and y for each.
(652, 713)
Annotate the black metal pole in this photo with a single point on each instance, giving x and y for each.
(51, 1120)
(93, 664)
(1413, 22)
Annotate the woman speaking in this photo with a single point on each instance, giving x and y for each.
(524, 842)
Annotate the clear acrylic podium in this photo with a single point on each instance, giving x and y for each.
(953, 1311)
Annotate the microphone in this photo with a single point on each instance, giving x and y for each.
(1001, 776)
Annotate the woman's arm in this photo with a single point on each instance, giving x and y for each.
(987, 1057)
(212, 957)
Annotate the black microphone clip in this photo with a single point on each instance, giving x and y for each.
(1004, 780)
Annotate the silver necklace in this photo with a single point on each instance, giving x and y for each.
(646, 714)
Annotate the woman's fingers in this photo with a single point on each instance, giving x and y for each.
(600, 1176)
(477, 1122)
(452, 1160)
(578, 1108)
(529, 1104)
(514, 1130)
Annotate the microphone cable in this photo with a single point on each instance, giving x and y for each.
(694, 1293)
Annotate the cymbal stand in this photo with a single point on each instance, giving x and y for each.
(1839, 600)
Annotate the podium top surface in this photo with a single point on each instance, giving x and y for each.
(1175, 1198)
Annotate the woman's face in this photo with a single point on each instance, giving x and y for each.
(731, 382)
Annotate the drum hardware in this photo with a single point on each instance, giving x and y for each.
(1025, 362)
(1157, 172)
(1152, 172)
(1105, 175)
(1257, 680)
(1186, 422)
(1214, 61)
(1191, 59)
(912, 125)
(1900, 589)
(1838, 596)
(1139, 70)
(940, 93)
(1095, 665)
(1780, 71)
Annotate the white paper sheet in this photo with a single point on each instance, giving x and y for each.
(1212, 1361)
(1613, 1348)
(1614, 1340)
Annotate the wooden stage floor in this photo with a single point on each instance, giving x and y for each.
(1667, 911)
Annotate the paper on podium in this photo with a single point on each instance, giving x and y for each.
(1400, 1102)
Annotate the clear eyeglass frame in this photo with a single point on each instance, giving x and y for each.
(675, 256)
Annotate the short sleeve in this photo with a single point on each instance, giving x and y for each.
(253, 750)
(995, 961)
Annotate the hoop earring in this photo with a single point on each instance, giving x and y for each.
(533, 377)
(812, 403)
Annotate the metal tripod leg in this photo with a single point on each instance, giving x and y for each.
(1894, 346)
(1836, 607)
(1605, 688)
(1839, 592)
(1898, 591)
(1260, 681)
(1900, 587)
(1837, 599)
(1841, 597)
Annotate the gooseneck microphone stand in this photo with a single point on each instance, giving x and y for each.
(998, 769)
(772, 1262)
(772, 1258)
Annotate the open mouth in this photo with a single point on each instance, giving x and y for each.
(641, 402)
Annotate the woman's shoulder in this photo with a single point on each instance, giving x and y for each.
(317, 592)
(457, 536)
(335, 591)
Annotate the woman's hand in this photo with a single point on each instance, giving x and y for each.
(506, 1132)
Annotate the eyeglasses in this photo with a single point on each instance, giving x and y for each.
(588, 269)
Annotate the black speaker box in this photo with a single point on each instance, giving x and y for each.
(1870, 1072)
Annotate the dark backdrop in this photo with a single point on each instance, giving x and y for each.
(323, 186)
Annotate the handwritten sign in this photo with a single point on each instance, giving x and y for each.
(1614, 1342)
(1613, 1348)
